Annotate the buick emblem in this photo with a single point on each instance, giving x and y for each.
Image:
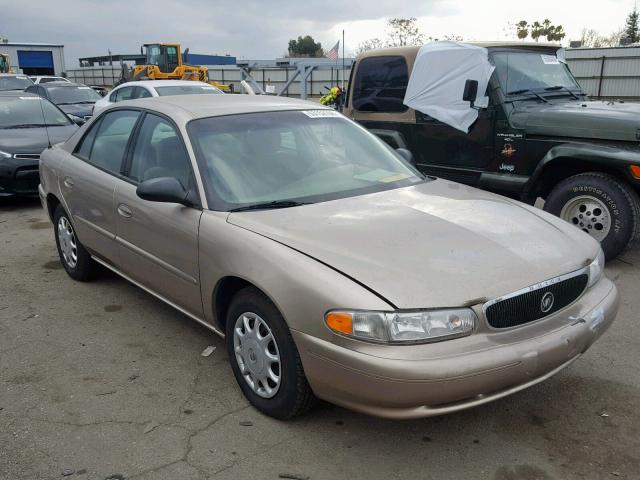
(547, 302)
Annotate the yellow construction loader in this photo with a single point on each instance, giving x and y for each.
(165, 61)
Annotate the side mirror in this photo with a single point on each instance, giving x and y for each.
(406, 154)
(163, 189)
(470, 92)
(77, 120)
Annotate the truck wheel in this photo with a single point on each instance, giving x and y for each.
(600, 205)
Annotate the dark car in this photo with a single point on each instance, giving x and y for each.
(73, 99)
(28, 125)
(540, 136)
(10, 81)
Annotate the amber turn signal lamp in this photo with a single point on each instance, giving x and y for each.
(635, 171)
(340, 322)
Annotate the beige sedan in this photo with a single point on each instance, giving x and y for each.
(332, 267)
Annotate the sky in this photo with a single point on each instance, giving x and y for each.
(261, 29)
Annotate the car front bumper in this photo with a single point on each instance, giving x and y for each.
(19, 176)
(402, 381)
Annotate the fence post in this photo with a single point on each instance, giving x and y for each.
(601, 76)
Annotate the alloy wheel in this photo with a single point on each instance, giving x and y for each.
(68, 243)
(588, 214)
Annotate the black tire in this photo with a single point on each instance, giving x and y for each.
(84, 268)
(294, 395)
(619, 199)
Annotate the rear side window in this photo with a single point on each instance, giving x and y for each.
(105, 144)
(380, 84)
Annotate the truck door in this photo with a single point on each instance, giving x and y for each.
(444, 151)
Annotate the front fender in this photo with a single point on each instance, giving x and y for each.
(302, 288)
(603, 156)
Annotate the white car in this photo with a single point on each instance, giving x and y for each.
(154, 88)
(48, 78)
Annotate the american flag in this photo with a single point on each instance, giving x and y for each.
(333, 53)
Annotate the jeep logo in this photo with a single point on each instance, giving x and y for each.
(547, 302)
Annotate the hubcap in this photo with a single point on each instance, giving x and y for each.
(257, 354)
(589, 214)
(67, 240)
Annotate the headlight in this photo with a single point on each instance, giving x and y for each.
(596, 269)
(5, 154)
(403, 327)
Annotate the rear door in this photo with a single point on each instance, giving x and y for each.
(89, 179)
(158, 242)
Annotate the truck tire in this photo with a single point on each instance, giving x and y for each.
(600, 205)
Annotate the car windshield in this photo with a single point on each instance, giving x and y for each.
(66, 95)
(25, 112)
(292, 156)
(186, 90)
(522, 71)
(14, 83)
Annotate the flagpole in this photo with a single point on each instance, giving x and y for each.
(343, 60)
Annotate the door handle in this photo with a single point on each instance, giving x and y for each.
(124, 211)
(68, 182)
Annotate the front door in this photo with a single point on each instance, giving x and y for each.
(447, 152)
(158, 242)
(89, 179)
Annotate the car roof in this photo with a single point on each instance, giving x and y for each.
(166, 83)
(14, 75)
(412, 51)
(182, 108)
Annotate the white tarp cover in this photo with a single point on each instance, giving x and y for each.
(437, 82)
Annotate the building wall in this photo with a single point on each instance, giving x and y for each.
(57, 52)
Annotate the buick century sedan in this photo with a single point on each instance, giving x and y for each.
(330, 265)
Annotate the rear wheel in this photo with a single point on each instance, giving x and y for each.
(264, 358)
(601, 206)
(74, 257)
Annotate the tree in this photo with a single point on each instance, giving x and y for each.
(305, 47)
(370, 44)
(537, 30)
(402, 32)
(631, 27)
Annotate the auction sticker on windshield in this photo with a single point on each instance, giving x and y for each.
(321, 113)
(549, 59)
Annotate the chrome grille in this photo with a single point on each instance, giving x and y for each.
(536, 302)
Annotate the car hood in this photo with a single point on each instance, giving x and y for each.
(33, 140)
(579, 119)
(78, 109)
(438, 244)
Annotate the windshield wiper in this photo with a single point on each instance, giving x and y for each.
(269, 205)
(26, 125)
(529, 91)
(566, 89)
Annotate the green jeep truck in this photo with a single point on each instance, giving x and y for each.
(539, 136)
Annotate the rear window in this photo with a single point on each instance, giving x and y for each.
(186, 90)
(380, 84)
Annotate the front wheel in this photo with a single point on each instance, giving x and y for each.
(600, 205)
(264, 358)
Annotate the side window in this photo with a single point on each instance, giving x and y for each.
(172, 58)
(110, 140)
(142, 92)
(125, 93)
(159, 152)
(83, 150)
(380, 84)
